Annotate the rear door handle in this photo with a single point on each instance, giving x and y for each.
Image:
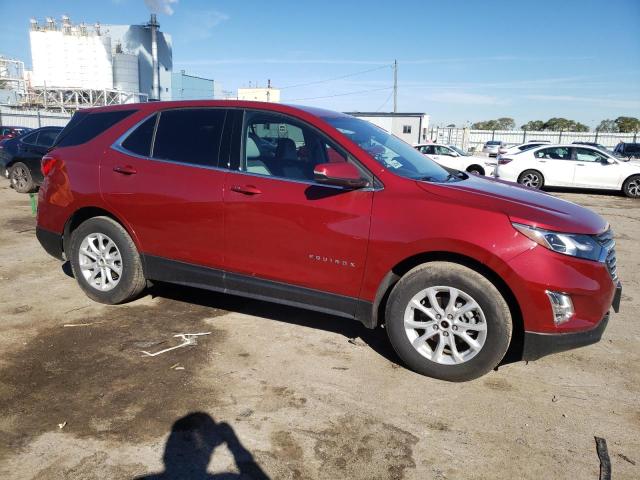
(125, 170)
(246, 189)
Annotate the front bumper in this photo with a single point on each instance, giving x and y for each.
(537, 345)
(51, 242)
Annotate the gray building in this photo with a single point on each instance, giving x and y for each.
(410, 127)
(190, 87)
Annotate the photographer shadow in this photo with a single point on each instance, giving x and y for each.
(191, 445)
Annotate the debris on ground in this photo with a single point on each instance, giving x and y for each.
(357, 342)
(79, 324)
(603, 455)
(187, 339)
(176, 366)
(626, 459)
(62, 425)
(245, 413)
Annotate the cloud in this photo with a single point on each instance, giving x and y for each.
(463, 98)
(600, 101)
(160, 6)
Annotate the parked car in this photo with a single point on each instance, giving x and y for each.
(12, 132)
(20, 157)
(342, 217)
(521, 148)
(451, 157)
(571, 166)
(627, 150)
(492, 147)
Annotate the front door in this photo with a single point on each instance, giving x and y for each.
(280, 224)
(556, 165)
(594, 170)
(170, 193)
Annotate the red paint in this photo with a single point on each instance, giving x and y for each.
(343, 242)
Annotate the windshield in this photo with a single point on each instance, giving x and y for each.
(388, 150)
(460, 151)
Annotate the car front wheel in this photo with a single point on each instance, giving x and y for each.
(105, 261)
(631, 186)
(531, 178)
(447, 321)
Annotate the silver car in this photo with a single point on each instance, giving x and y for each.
(492, 147)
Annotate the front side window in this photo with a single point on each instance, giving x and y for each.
(588, 155)
(554, 153)
(440, 150)
(189, 135)
(280, 147)
(388, 150)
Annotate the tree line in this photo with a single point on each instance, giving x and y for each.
(556, 124)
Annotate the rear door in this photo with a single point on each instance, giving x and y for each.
(283, 226)
(593, 170)
(556, 164)
(169, 190)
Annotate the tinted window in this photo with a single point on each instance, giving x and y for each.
(554, 153)
(276, 146)
(47, 137)
(190, 135)
(31, 139)
(90, 126)
(440, 150)
(139, 141)
(632, 148)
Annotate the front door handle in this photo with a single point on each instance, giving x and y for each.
(580, 164)
(125, 170)
(246, 189)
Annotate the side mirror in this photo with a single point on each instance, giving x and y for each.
(606, 161)
(340, 174)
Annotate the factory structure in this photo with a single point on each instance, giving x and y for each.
(79, 65)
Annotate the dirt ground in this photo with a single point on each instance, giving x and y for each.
(283, 393)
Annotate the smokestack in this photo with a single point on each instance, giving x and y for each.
(153, 25)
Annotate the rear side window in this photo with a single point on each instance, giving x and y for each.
(89, 126)
(139, 141)
(190, 135)
(47, 137)
(31, 139)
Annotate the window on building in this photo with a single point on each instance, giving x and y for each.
(189, 135)
(406, 129)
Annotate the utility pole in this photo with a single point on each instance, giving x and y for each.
(395, 86)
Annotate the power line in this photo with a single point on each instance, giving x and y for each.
(385, 102)
(336, 78)
(340, 94)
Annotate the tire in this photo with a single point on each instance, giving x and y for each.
(21, 178)
(492, 314)
(103, 283)
(476, 170)
(532, 179)
(631, 186)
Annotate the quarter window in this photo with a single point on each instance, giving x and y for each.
(139, 141)
(554, 153)
(189, 135)
(276, 146)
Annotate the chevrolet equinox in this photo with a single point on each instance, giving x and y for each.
(321, 210)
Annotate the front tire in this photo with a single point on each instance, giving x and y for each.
(21, 178)
(447, 321)
(532, 179)
(476, 170)
(631, 186)
(105, 261)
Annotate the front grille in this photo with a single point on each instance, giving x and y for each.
(605, 239)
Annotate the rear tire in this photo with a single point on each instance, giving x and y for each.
(476, 170)
(478, 322)
(532, 179)
(21, 178)
(105, 261)
(631, 186)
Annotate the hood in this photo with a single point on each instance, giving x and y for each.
(520, 204)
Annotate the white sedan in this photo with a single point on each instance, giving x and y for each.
(571, 166)
(452, 157)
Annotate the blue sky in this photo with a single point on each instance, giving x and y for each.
(458, 61)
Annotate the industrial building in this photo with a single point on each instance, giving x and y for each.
(410, 127)
(190, 87)
(260, 94)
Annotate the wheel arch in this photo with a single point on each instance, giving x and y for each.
(514, 353)
(85, 213)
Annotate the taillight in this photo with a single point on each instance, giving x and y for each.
(47, 164)
(504, 160)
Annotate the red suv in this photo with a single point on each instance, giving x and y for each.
(321, 210)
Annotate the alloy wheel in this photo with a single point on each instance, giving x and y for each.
(445, 325)
(531, 180)
(19, 177)
(633, 188)
(100, 261)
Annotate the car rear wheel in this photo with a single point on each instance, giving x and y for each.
(447, 321)
(476, 170)
(105, 261)
(20, 178)
(631, 186)
(531, 178)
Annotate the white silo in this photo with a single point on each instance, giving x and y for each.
(125, 72)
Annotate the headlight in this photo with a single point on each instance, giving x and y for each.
(575, 245)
